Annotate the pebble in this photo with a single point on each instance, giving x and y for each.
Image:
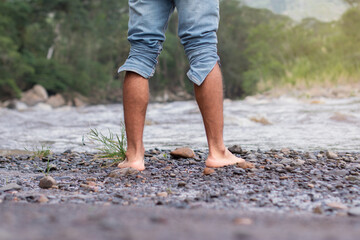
(162, 194)
(354, 212)
(331, 155)
(208, 171)
(47, 182)
(236, 149)
(337, 205)
(183, 153)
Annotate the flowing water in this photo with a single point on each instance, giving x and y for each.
(253, 123)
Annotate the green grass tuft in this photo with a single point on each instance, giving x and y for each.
(112, 146)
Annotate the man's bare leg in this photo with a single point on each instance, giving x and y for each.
(135, 100)
(209, 97)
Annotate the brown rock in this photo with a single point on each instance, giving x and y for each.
(245, 165)
(47, 182)
(80, 101)
(183, 153)
(56, 101)
(35, 95)
(208, 171)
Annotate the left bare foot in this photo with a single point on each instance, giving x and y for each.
(225, 160)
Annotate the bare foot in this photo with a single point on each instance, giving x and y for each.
(138, 164)
(225, 160)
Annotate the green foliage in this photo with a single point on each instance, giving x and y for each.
(112, 146)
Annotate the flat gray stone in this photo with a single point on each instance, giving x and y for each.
(10, 186)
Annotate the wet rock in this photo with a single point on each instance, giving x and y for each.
(122, 172)
(47, 182)
(208, 171)
(35, 95)
(236, 149)
(10, 187)
(354, 212)
(183, 153)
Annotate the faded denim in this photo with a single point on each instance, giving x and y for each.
(198, 24)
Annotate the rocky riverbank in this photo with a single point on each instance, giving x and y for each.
(285, 184)
(282, 181)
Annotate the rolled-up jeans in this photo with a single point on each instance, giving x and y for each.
(198, 24)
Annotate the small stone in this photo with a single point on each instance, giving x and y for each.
(47, 182)
(318, 210)
(352, 178)
(299, 163)
(10, 187)
(310, 185)
(183, 153)
(354, 212)
(283, 177)
(42, 199)
(285, 151)
(331, 155)
(208, 171)
(181, 184)
(286, 161)
(243, 221)
(236, 149)
(162, 194)
(337, 205)
(91, 179)
(122, 172)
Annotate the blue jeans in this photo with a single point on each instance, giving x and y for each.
(198, 23)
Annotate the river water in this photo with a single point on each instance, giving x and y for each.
(253, 123)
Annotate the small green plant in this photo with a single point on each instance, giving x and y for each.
(42, 152)
(112, 146)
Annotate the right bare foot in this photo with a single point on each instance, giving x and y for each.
(137, 164)
(225, 160)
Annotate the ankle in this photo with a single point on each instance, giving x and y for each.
(135, 154)
(216, 152)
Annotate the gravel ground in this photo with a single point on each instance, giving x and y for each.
(288, 190)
